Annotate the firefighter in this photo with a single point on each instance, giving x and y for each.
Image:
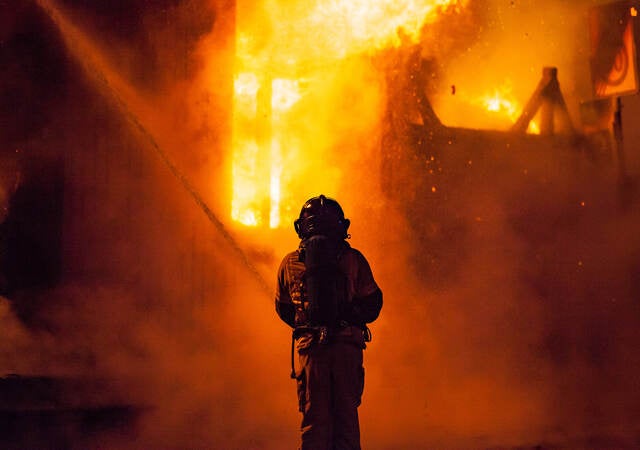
(326, 292)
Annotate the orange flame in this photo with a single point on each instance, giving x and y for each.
(473, 106)
(502, 103)
(295, 66)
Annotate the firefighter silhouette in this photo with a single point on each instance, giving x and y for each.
(327, 293)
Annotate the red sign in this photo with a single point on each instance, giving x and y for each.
(613, 52)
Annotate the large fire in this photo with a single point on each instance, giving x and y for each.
(299, 84)
(305, 92)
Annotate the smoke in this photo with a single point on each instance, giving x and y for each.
(153, 297)
(511, 273)
(508, 268)
(508, 329)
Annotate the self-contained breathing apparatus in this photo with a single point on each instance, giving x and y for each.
(322, 228)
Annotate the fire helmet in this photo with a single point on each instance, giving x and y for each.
(322, 216)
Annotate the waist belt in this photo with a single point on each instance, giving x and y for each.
(322, 334)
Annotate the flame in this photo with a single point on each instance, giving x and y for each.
(296, 66)
(502, 103)
(497, 108)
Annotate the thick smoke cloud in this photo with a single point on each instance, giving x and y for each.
(153, 298)
(510, 273)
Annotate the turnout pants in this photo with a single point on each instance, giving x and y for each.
(330, 381)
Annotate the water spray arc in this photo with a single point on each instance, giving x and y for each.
(113, 88)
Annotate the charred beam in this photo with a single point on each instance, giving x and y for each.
(547, 98)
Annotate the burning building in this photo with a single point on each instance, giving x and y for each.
(156, 153)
